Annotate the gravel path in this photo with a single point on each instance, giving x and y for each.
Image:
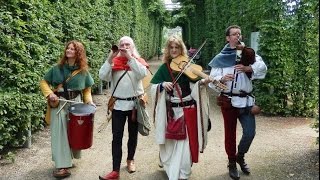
(282, 149)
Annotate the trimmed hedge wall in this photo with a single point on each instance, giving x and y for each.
(289, 44)
(32, 38)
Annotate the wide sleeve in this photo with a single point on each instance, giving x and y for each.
(259, 68)
(87, 95)
(215, 74)
(139, 69)
(88, 81)
(159, 109)
(105, 72)
(200, 94)
(45, 88)
(161, 75)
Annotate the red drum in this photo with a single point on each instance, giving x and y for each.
(80, 126)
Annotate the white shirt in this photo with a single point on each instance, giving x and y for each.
(129, 86)
(243, 83)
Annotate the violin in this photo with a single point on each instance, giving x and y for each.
(178, 64)
(193, 71)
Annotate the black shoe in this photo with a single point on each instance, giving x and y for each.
(243, 165)
(233, 171)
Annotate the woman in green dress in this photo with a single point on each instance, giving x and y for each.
(70, 80)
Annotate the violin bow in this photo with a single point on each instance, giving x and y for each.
(189, 62)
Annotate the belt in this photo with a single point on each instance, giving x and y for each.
(182, 104)
(70, 94)
(242, 94)
(127, 99)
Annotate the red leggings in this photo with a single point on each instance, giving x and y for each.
(247, 120)
(230, 126)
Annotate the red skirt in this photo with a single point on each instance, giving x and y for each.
(190, 115)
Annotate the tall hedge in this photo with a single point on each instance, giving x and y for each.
(289, 44)
(32, 37)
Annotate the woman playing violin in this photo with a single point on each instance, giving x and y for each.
(180, 97)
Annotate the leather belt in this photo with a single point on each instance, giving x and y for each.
(70, 94)
(183, 104)
(242, 94)
(127, 99)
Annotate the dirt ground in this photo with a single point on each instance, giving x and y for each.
(283, 148)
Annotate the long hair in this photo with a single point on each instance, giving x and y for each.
(81, 57)
(135, 52)
(177, 40)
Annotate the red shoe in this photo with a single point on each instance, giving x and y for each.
(111, 176)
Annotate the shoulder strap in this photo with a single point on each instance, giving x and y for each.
(155, 103)
(118, 82)
(173, 79)
(75, 72)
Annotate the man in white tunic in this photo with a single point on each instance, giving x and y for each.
(237, 102)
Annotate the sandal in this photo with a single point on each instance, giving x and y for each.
(61, 173)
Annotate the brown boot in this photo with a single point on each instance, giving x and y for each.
(131, 167)
(61, 173)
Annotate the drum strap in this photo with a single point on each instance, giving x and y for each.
(63, 84)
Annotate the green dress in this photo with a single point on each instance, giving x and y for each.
(163, 75)
(62, 154)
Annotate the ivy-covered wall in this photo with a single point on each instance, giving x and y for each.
(32, 38)
(289, 44)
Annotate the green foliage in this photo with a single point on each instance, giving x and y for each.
(157, 10)
(289, 44)
(315, 125)
(23, 46)
(275, 100)
(288, 47)
(17, 110)
(32, 38)
(9, 156)
(181, 16)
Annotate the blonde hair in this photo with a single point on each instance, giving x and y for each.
(177, 40)
(81, 57)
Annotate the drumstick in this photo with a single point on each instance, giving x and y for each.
(61, 107)
(102, 126)
(66, 101)
(105, 124)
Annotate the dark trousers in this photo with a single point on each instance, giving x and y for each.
(248, 123)
(118, 122)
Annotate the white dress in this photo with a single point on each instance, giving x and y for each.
(175, 155)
